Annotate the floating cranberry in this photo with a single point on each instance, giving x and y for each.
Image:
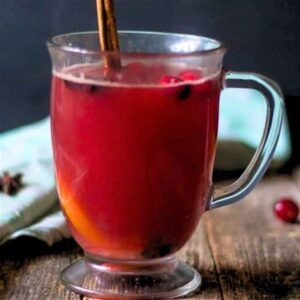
(286, 209)
(190, 75)
(166, 79)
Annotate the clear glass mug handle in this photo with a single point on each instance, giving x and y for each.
(262, 157)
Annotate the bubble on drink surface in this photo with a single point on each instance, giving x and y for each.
(168, 79)
(83, 87)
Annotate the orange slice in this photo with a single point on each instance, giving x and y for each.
(83, 225)
(77, 217)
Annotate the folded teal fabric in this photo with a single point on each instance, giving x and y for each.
(34, 211)
(241, 124)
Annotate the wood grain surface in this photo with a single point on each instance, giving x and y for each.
(242, 251)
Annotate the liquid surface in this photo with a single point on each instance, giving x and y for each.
(134, 162)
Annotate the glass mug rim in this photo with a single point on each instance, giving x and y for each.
(217, 47)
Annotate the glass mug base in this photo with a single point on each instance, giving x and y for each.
(109, 279)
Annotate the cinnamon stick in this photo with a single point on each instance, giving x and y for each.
(101, 25)
(108, 34)
(111, 25)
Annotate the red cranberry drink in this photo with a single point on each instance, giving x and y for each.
(134, 155)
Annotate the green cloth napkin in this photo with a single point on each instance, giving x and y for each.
(35, 212)
(241, 123)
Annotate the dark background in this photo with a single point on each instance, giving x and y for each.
(261, 36)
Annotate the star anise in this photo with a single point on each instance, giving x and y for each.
(9, 184)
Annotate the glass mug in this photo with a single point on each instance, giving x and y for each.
(134, 150)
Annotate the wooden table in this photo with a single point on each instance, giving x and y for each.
(242, 252)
